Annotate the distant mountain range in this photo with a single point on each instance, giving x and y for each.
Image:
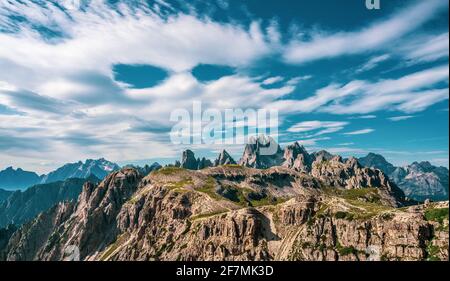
(19, 179)
(99, 168)
(419, 181)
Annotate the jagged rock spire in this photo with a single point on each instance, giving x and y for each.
(253, 158)
(224, 159)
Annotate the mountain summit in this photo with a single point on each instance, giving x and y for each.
(99, 168)
(11, 178)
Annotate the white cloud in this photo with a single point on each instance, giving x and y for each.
(317, 128)
(346, 150)
(425, 48)
(307, 126)
(272, 80)
(408, 94)
(360, 132)
(373, 62)
(400, 118)
(370, 116)
(377, 35)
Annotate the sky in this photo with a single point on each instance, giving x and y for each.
(100, 79)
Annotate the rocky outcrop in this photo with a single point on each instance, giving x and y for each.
(224, 159)
(351, 175)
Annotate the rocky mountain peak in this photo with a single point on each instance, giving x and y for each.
(188, 160)
(296, 157)
(322, 155)
(252, 156)
(203, 163)
(98, 167)
(377, 161)
(351, 162)
(224, 159)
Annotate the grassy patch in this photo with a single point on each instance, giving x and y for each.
(119, 241)
(344, 215)
(238, 195)
(180, 184)
(209, 188)
(169, 170)
(369, 195)
(432, 251)
(436, 214)
(345, 251)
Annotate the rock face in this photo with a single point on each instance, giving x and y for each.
(17, 179)
(100, 168)
(90, 223)
(4, 194)
(252, 156)
(224, 159)
(22, 206)
(419, 181)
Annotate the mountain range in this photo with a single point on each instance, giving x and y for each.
(419, 181)
(13, 179)
(289, 206)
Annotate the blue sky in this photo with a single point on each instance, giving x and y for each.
(101, 79)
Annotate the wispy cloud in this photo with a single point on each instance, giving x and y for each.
(272, 80)
(400, 118)
(373, 37)
(324, 126)
(360, 132)
(363, 117)
(373, 62)
(425, 48)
